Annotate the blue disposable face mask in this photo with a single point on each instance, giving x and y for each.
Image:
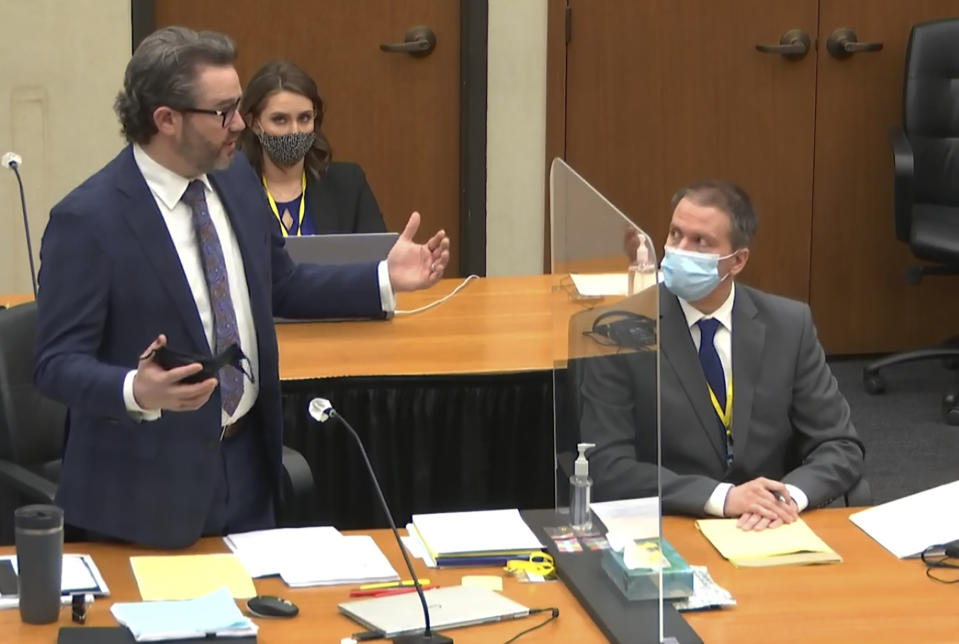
(691, 275)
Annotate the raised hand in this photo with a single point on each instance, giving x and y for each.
(414, 266)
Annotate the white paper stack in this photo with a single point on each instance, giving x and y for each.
(213, 615)
(315, 556)
(907, 526)
(264, 552)
(483, 536)
(600, 284)
(354, 560)
(627, 520)
(79, 575)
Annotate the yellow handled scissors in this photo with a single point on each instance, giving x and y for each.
(539, 563)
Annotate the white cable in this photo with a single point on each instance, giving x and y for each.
(441, 300)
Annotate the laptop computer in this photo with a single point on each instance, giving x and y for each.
(340, 249)
(347, 248)
(449, 607)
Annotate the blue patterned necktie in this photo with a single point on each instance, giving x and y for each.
(225, 332)
(715, 376)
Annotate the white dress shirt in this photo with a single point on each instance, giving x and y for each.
(723, 341)
(167, 188)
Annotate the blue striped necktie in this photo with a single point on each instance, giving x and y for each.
(225, 332)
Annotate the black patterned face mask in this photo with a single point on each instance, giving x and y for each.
(287, 149)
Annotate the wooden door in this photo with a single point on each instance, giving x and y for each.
(661, 93)
(859, 297)
(394, 114)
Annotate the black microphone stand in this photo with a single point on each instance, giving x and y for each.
(13, 165)
(426, 637)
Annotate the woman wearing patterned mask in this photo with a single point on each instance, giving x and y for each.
(308, 192)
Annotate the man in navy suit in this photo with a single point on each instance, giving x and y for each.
(167, 244)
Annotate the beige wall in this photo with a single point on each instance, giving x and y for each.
(62, 62)
(516, 137)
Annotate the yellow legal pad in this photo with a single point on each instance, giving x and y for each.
(190, 576)
(792, 543)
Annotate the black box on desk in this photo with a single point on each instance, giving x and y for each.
(643, 582)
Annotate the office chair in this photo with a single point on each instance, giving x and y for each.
(31, 427)
(925, 151)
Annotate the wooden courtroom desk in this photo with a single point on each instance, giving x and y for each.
(493, 325)
(319, 620)
(12, 299)
(871, 596)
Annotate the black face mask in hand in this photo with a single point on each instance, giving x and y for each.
(170, 359)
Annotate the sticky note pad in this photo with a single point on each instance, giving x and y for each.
(190, 576)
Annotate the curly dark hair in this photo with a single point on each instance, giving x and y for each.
(162, 71)
(273, 77)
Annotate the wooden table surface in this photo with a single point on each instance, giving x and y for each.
(870, 597)
(12, 299)
(493, 325)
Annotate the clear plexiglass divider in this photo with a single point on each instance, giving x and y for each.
(605, 322)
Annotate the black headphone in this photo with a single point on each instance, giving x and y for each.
(624, 329)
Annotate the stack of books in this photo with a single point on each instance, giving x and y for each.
(481, 538)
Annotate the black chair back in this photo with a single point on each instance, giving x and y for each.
(931, 111)
(31, 425)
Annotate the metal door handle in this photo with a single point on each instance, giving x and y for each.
(793, 44)
(418, 41)
(843, 43)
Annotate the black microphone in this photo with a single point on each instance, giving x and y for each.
(12, 160)
(322, 410)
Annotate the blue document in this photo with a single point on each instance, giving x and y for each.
(215, 614)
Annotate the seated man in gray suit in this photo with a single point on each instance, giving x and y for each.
(784, 442)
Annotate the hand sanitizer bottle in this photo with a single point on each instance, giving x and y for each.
(641, 271)
(579, 485)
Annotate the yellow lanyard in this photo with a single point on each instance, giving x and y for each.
(299, 225)
(725, 415)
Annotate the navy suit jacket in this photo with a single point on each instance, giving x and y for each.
(110, 282)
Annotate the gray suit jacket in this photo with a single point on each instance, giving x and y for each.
(790, 422)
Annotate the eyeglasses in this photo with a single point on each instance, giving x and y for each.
(226, 115)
